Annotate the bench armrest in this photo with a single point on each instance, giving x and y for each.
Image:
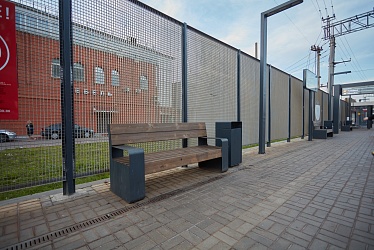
(117, 151)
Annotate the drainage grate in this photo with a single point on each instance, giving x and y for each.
(65, 231)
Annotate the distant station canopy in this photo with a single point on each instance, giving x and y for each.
(310, 80)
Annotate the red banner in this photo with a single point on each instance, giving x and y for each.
(8, 62)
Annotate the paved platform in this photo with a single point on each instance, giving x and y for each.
(299, 195)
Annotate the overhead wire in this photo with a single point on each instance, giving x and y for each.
(327, 14)
(355, 61)
(332, 9)
(295, 25)
(344, 50)
(296, 62)
(319, 9)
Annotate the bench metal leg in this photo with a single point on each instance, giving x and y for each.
(128, 182)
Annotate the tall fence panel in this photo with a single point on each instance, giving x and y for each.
(278, 104)
(306, 111)
(325, 106)
(343, 111)
(318, 102)
(131, 56)
(29, 161)
(249, 98)
(296, 107)
(212, 80)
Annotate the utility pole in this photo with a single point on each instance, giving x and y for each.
(330, 82)
(330, 78)
(318, 50)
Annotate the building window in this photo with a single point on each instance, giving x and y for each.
(56, 68)
(143, 83)
(99, 75)
(78, 72)
(115, 78)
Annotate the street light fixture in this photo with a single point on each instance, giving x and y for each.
(263, 75)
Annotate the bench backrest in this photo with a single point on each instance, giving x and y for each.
(147, 132)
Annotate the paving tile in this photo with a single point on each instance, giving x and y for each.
(281, 244)
(208, 243)
(90, 235)
(137, 242)
(317, 244)
(225, 238)
(70, 242)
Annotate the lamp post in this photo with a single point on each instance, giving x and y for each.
(263, 75)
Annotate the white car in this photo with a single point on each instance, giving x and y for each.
(7, 135)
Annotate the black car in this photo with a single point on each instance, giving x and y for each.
(54, 131)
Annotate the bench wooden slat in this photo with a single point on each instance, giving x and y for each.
(147, 132)
(134, 128)
(120, 139)
(164, 160)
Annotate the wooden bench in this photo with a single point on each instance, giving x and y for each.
(127, 171)
(324, 131)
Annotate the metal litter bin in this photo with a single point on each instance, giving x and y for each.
(233, 132)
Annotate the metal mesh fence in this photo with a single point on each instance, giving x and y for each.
(318, 102)
(325, 106)
(127, 68)
(306, 111)
(296, 107)
(249, 98)
(212, 83)
(279, 104)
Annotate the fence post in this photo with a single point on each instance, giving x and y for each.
(311, 115)
(184, 79)
(269, 109)
(67, 108)
(303, 123)
(336, 108)
(238, 86)
(289, 108)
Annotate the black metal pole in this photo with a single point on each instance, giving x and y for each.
(184, 79)
(303, 123)
(289, 109)
(311, 111)
(268, 144)
(369, 123)
(66, 62)
(263, 76)
(238, 86)
(336, 109)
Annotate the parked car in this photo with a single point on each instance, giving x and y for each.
(54, 131)
(7, 135)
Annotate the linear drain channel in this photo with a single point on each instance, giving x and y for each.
(65, 231)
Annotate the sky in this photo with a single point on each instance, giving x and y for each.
(290, 34)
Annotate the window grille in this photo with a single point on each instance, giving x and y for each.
(115, 78)
(78, 72)
(99, 75)
(143, 82)
(56, 68)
